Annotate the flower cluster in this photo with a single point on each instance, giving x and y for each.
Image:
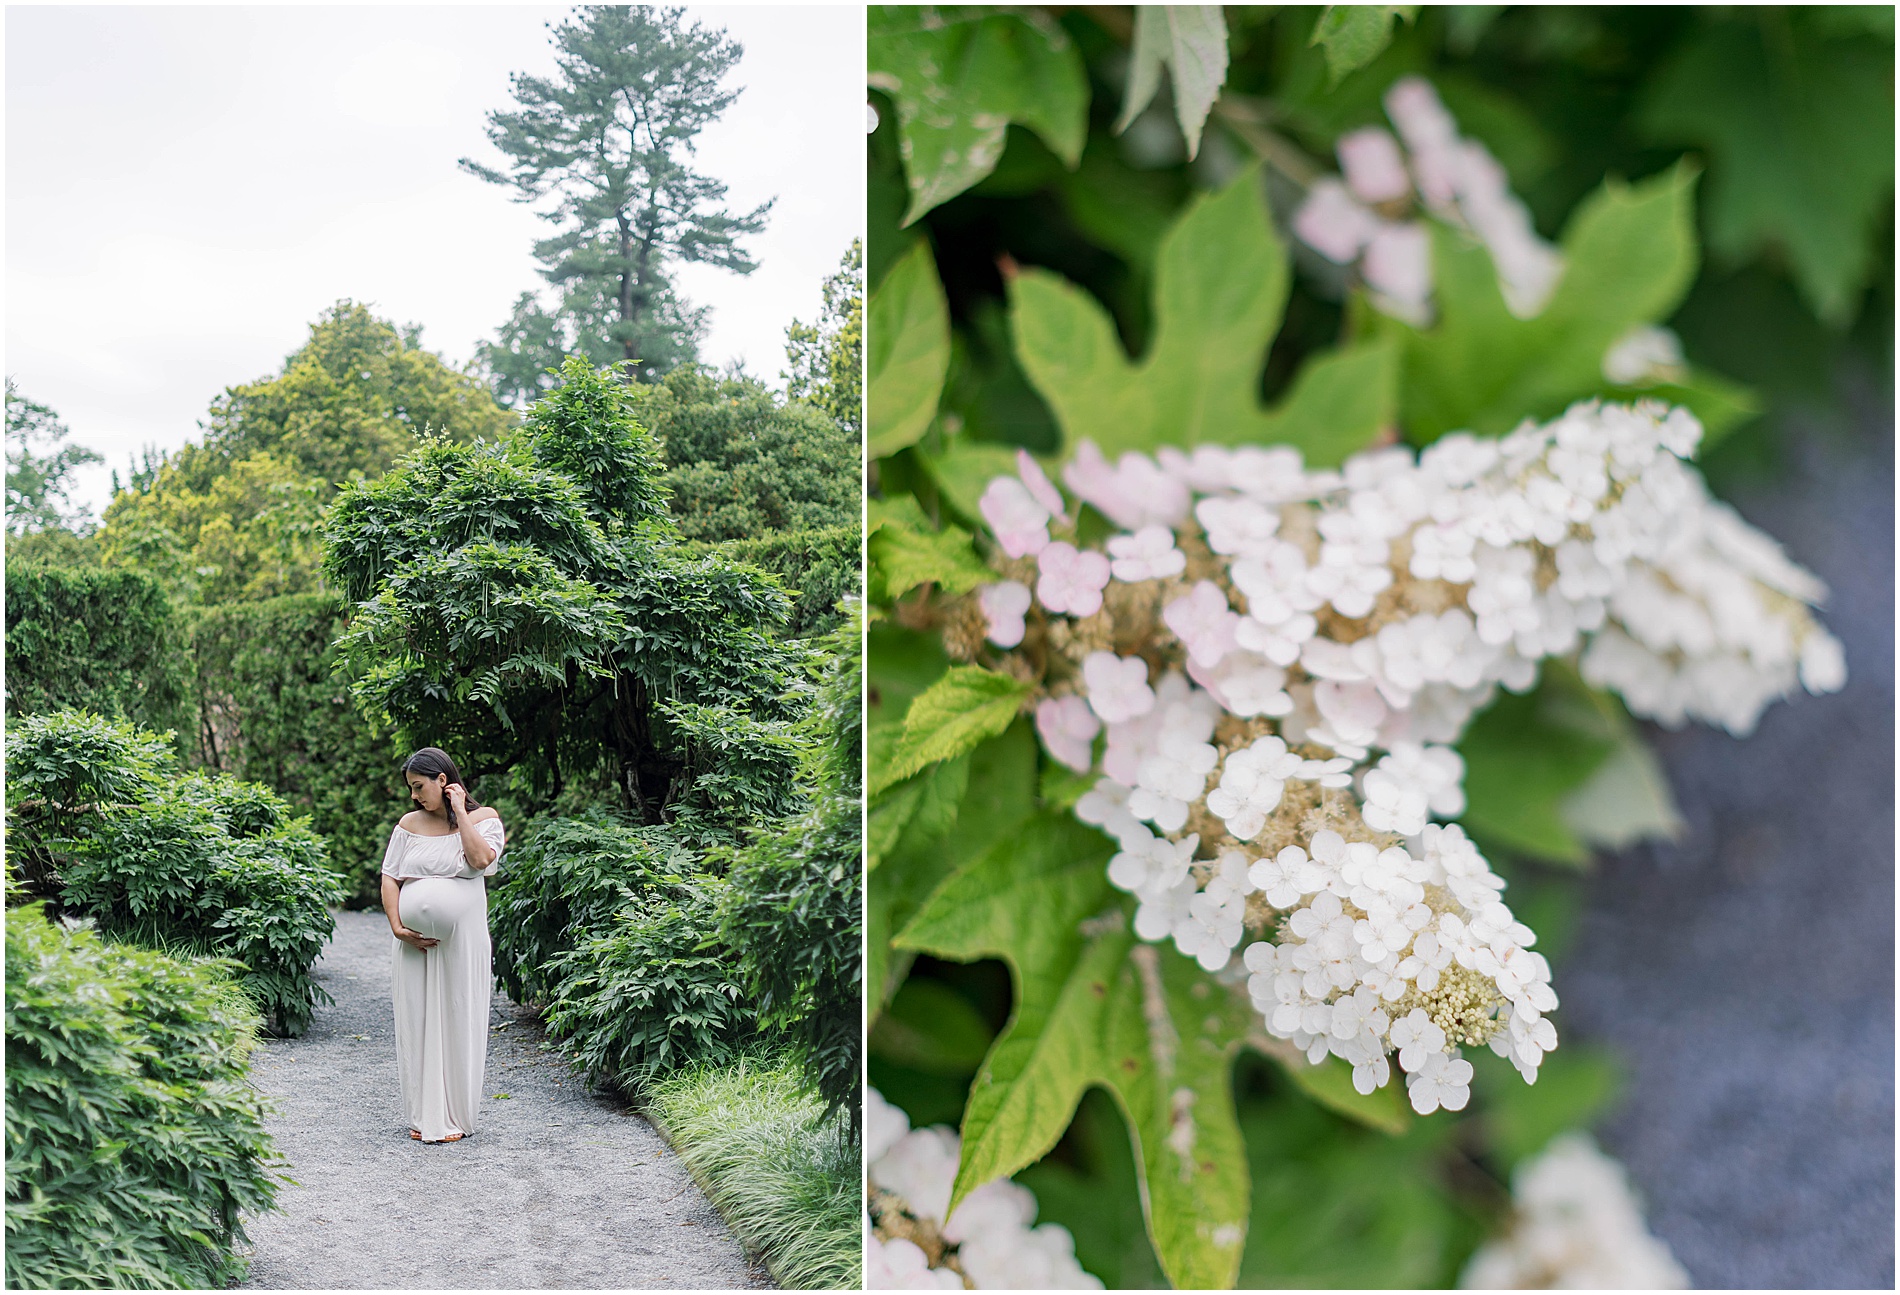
(987, 1244)
(1578, 1227)
(1366, 219)
(1267, 667)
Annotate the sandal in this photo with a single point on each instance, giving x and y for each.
(416, 1134)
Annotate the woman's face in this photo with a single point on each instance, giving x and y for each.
(427, 792)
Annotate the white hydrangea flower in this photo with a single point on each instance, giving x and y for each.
(1020, 524)
(1072, 581)
(1251, 782)
(1203, 622)
(1004, 604)
(997, 1245)
(1117, 686)
(1148, 554)
(1067, 728)
(1444, 1079)
(1577, 1226)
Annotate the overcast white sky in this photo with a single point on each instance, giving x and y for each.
(188, 188)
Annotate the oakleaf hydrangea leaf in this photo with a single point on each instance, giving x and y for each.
(1520, 766)
(909, 351)
(1220, 288)
(1629, 253)
(948, 718)
(1799, 132)
(1192, 41)
(907, 551)
(959, 76)
(1094, 1007)
(1352, 35)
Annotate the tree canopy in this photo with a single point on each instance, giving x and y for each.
(39, 485)
(827, 358)
(234, 516)
(607, 139)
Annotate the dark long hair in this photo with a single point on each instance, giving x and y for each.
(433, 760)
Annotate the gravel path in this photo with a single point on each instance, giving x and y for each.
(558, 1189)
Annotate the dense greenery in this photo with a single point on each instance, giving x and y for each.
(135, 1142)
(824, 567)
(827, 357)
(521, 605)
(786, 1180)
(793, 909)
(100, 818)
(1050, 260)
(608, 139)
(97, 640)
(270, 710)
(743, 463)
(235, 515)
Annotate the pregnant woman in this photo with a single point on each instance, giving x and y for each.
(437, 903)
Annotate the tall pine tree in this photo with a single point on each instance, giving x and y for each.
(608, 139)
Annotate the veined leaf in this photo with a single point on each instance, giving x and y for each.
(959, 76)
(903, 557)
(1095, 1007)
(925, 806)
(1354, 34)
(948, 718)
(1192, 41)
(1220, 287)
(909, 351)
(1629, 253)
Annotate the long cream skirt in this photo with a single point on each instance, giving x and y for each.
(442, 1004)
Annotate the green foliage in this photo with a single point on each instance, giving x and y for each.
(56, 546)
(1220, 288)
(95, 640)
(505, 613)
(827, 358)
(1354, 34)
(654, 990)
(271, 710)
(135, 1142)
(793, 906)
(608, 138)
(953, 715)
(588, 431)
(1192, 41)
(960, 76)
(39, 486)
(235, 517)
(741, 463)
(1796, 116)
(906, 551)
(786, 1181)
(910, 350)
(820, 568)
(207, 866)
(564, 880)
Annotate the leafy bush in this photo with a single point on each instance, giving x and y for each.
(793, 906)
(271, 710)
(564, 881)
(98, 640)
(820, 566)
(202, 865)
(652, 991)
(135, 1143)
(786, 1180)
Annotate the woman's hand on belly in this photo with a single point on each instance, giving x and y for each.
(415, 939)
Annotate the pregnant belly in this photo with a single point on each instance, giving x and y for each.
(437, 906)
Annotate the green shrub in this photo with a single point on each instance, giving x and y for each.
(270, 710)
(793, 909)
(652, 991)
(134, 1141)
(786, 1180)
(564, 881)
(821, 565)
(192, 864)
(99, 640)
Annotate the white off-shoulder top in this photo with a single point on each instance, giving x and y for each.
(410, 856)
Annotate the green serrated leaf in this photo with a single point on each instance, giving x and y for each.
(1799, 132)
(1340, 402)
(959, 76)
(1220, 288)
(908, 351)
(903, 558)
(1352, 35)
(999, 796)
(923, 807)
(1630, 254)
(1192, 41)
(948, 718)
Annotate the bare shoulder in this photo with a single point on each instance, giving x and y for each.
(412, 821)
(483, 815)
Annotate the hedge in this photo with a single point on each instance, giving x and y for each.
(135, 1142)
